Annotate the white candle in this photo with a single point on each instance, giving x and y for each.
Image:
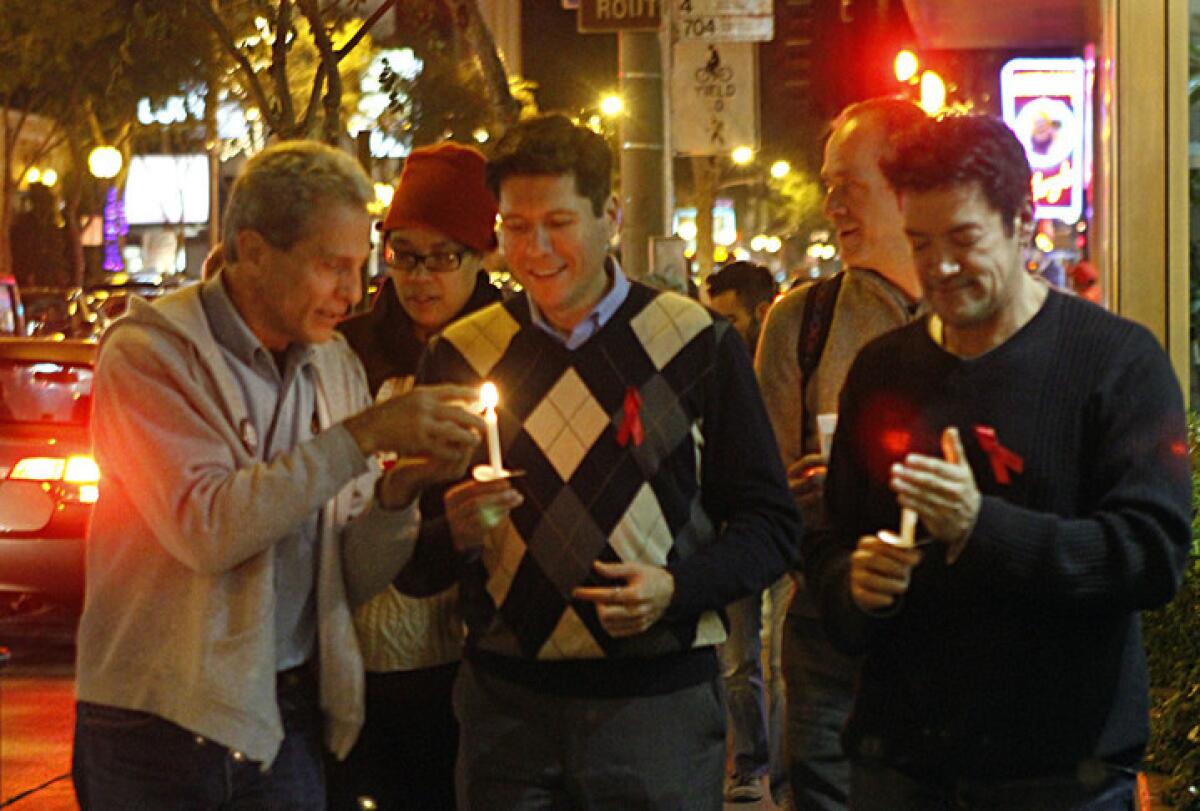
(489, 397)
(908, 527)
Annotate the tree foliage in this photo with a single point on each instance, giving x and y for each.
(289, 58)
(463, 86)
(75, 76)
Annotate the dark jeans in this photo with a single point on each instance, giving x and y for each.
(404, 758)
(126, 759)
(875, 787)
(820, 692)
(522, 749)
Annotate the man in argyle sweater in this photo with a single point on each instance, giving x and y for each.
(652, 495)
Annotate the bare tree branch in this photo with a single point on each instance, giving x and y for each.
(367, 25)
(226, 39)
(332, 99)
(283, 23)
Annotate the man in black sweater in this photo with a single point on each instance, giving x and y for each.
(1041, 443)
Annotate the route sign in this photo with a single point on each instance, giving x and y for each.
(620, 15)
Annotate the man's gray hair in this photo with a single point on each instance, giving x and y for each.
(281, 189)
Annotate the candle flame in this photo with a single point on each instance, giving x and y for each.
(489, 397)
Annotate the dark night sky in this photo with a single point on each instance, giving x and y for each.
(572, 70)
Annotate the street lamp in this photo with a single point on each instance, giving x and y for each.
(742, 155)
(105, 162)
(612, 105)
(780, 169)
(906, 65)
(933, 92)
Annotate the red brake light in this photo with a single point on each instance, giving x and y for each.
(79, 474)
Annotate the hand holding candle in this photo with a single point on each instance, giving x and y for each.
(942, 491)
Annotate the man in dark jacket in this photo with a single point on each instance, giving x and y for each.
(439, 228)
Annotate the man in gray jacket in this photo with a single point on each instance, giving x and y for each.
(241, 511)
(877, 292)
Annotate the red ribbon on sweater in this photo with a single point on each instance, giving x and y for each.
(1001, 457)
(631, 425)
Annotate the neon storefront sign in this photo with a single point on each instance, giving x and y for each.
(1044, 104)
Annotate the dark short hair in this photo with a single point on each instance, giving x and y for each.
(895, 113)
(959, 150)
(753, 283)
(553, 145)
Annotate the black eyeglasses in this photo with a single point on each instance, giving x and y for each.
(435, 262)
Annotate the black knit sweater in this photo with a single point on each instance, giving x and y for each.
(1024, 657)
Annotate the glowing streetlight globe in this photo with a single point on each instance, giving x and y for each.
(742, 155)
(49, 177)
(105, 162)
(611, 105)
(933, 92)
(780, 169)
(906, 65)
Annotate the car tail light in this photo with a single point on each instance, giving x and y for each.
(78, 477)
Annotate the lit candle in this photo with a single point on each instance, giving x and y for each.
(489, 397)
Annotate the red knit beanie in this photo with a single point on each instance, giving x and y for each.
(442, 187)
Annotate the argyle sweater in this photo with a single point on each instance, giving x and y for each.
(1023, 657)
(648, 443)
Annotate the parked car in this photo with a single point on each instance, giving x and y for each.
(12, 314)
(60, 312)
(112, 300)
(48, 477)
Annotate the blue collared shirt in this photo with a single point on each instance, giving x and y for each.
(281, 404)
(594, 320)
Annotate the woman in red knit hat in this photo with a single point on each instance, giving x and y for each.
(439, 228)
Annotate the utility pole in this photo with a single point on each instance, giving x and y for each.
(643, 148)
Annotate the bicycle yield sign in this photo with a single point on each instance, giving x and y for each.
(714, 91)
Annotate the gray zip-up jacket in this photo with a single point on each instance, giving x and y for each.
(178, 615)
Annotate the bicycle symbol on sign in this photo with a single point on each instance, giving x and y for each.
(713, 70)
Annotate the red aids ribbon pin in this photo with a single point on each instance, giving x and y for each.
(1001, 457)
(631, 425)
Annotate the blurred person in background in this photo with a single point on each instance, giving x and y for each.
(809, 340)
(743, 292)
(438, 230)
